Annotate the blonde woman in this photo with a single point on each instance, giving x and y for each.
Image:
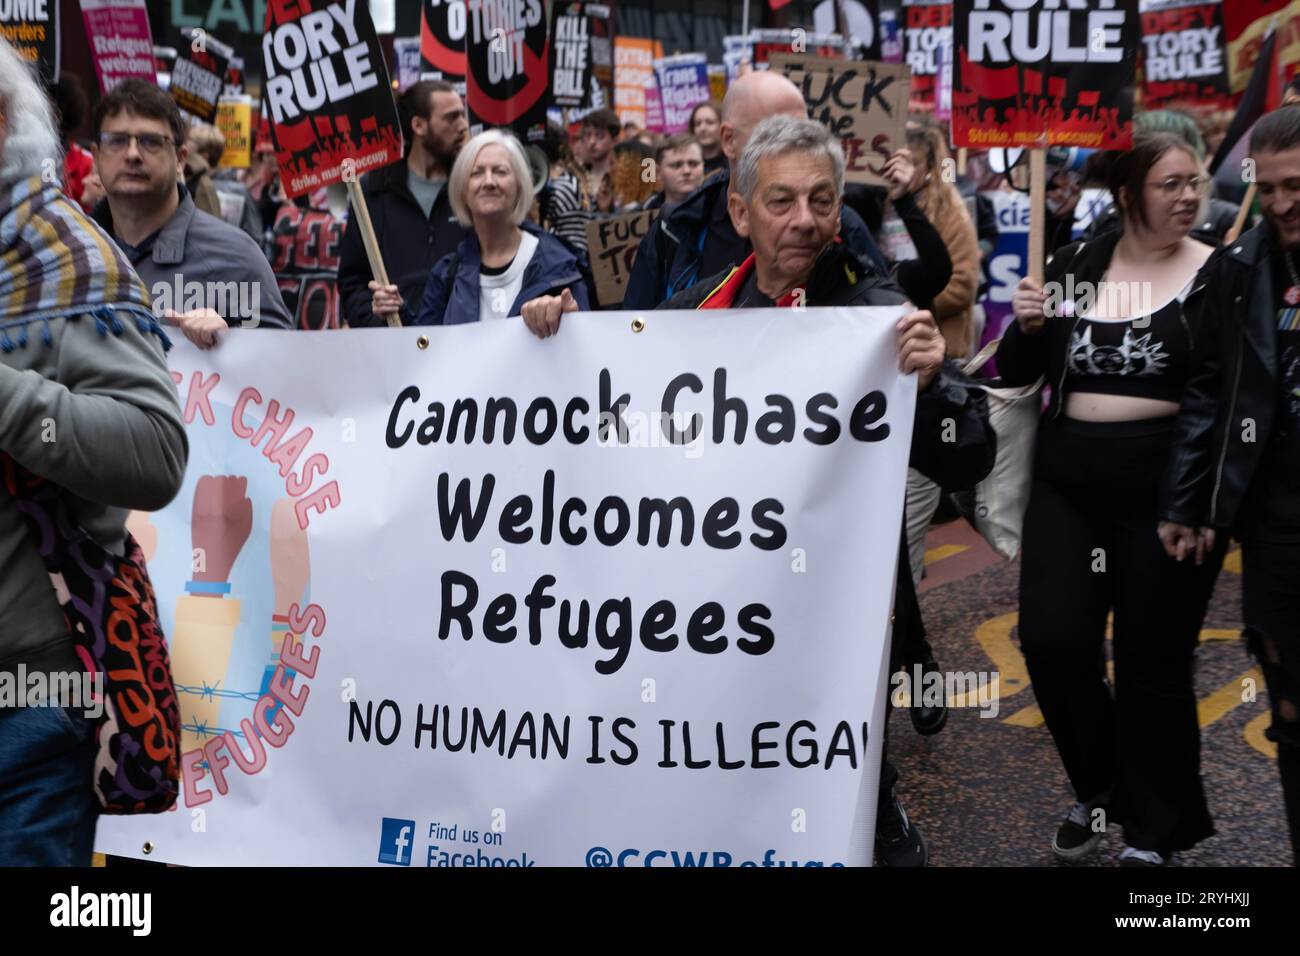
(505, 261)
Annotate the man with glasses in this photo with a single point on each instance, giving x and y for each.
(203, 274)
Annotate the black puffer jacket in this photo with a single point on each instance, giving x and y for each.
(1234, 379)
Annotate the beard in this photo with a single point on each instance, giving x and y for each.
(444, 151)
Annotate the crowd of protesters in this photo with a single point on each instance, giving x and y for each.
(1139, 450)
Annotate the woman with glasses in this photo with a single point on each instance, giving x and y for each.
(1109, 333)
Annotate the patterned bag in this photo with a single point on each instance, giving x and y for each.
(108, 603)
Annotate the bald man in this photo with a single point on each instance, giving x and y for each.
(698, 239)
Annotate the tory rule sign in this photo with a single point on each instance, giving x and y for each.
(1044, 73)
(326, 93)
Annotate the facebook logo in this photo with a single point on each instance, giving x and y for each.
(395, 839)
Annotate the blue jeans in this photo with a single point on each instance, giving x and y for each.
(47, 805)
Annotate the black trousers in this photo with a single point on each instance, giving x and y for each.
(1270, 585)
(1090, 548)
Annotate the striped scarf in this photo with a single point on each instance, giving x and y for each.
(57, 263)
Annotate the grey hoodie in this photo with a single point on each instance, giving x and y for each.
(96, 413)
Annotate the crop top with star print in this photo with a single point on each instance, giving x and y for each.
(1146, 357)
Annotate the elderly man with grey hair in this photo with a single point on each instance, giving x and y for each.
(90, 407)
(697, 239)
(786, 202)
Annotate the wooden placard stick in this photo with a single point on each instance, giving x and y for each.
(362, 212)
(1038, 211)
(1242, 214)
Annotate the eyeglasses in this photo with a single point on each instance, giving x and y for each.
(1174, 185)
(150, 143)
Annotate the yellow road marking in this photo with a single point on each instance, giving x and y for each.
(1029, 716)
(1224, 700)
(1254, 735)
(944, 551)
(994, 636)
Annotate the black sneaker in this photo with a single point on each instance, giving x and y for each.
(928, 719)
(898, 842)
(1076, 838)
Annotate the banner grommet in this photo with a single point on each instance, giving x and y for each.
(638, 324)
(422, 342)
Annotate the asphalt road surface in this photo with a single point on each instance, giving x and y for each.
(990, 790)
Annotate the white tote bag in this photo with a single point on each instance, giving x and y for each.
(1002, 497)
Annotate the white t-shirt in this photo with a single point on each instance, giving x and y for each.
(496, 294)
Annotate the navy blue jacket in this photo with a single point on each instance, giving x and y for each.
(667, 261)
(552, 269)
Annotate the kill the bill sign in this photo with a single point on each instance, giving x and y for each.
(326, 93)
(1044, 73)
(485, 605)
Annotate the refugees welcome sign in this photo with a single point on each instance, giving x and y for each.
(488, 599)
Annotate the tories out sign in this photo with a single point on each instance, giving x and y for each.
(442, 40)
(516, 601)
(506, 57)
(1044, 73)
(326, 93)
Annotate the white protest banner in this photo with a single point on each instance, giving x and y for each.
(864, 104)
(460, 596)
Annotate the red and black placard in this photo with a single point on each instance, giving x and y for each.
(507, 67)
(327, 94)
(1184, 54)
(199, 74)
(442, 40)
(927, 28)
(1044, 73)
